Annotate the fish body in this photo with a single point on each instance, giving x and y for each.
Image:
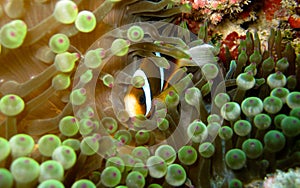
(139, 100)
(158, 81)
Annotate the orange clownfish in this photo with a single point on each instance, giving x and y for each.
(138, 101)
(158, 81)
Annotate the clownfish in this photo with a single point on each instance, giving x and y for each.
(157, 80)
(138, 101)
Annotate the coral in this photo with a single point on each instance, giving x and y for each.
(270, 7)
(283, 179)
(216, 10)
(112, 93)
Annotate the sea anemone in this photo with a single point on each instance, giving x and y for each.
(113, 94)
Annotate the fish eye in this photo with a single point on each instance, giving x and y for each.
(142, 99)
(138, 100)
(145, 98)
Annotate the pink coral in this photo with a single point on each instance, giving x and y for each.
(216, 18)
(215, 4)
(196, 4)
(233, 1)
(214, 10)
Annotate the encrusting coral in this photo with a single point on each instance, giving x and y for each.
(111, 93)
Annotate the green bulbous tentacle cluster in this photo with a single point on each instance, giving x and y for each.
(12, 34)
(204, 131)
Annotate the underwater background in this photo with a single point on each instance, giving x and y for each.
(161, 93)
